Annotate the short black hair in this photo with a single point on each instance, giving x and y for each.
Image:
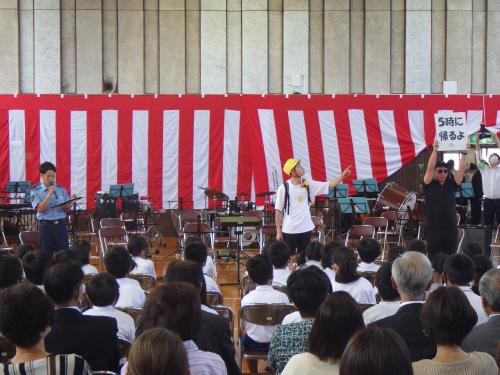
(260, 269)
(24, 249)
(25, 313)
(11, 271)
(395, 253)
(473, 248)
(65, 256)
(62, 280)
(440, 164)
(482, 264)
(187, 271)
(47, 166)
(196, 251)
(368, 249)
(327, 253)
(448, 316)
(459, 268)
(103, 289)
(82, 250)
(35, 263)
(345, 259)
(118, 261)
(307, 288)
(418, 245)
(437, 262)
(278, 251)
(136, 244)
(384, 284)
(312, 252)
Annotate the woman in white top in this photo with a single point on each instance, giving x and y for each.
(82, 250)
(337, 319)
(347, 278)
(138, 249)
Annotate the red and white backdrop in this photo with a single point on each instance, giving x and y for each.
(170, 145)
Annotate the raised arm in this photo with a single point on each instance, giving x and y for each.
(339, 179)
(431, 164)
(459, 176)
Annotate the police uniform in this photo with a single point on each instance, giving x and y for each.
(53, 231)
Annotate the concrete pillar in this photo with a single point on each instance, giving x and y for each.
(295, 46)
(255, 47)
(68, 46)
(418, 46)
(397, 46)
(26, 47)
(213, 47)
(478, 46)
(172, 47)
(47, 36)
(316, 46)
(275, 47)
(9, 44)
(438, 52)
(234, 46)
(151, 47)
(193, 47)
(110, 42)
(493, 47)
(357, 47)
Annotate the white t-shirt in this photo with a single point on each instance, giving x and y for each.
(361, 290)
(262, 294)
(491, 182)
(330, 273)
(209, 268)
(131, 293)
(89, 269)
(307, 363)
(298, 219)
(211, 284)
(367, 267)
(143, 266)
(280, 275)
(126, 326)
(475, 302)
(380, 311)
(294, 317)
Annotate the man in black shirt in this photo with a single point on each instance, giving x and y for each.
(440, 210)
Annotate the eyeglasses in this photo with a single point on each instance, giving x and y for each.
(445, 171)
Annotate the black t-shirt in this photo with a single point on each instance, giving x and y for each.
(440, 210)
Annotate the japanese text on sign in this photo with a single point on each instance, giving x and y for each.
(451, 131)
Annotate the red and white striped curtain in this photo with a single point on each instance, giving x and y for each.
(169, 146)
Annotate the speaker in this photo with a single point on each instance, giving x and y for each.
(480, 234)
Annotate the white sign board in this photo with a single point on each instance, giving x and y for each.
(450, 131)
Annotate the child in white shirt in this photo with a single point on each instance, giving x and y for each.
(138, 249)
(82, 248)
(311, 256)
(279, 252)
(196, 250)
(368, 251)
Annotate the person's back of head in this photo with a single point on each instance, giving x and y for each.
(482, 264)
(23, 249)
(311, 252)
(447, 316)
(395, 253)
(278, 252)
(327, 253)
(307, 288)
(65, 256)
(368, 249)
(11, 271)
(103, 290)
(260, 269)
(157, 351)
(187, 271)
(412, 273)
(437, 262)
(25, 315)
(345, 265)
(196, 251)
(472, 249)
(62, 282)
(35, 263)
(82, 250)
(118, 262)
(489, 288)
(458, 270)
(174, 306)
(376, 351)
(338, 313)
(136, 245)
(384, 284)
(418, 245)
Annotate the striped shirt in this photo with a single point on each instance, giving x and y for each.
(203, 363)
(60, 364)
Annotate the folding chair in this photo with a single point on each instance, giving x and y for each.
(460, 238)
(111, 222)
(112, 236)
(31, 237)
(394, 228)
(7, 350)
(133, 224)
(319, 229)
(495, 249)
(267, 230)
(381, 225)
(147, 281)
(359, 231)
(226, 312)
(124, 347)
(214, 298)
(4, 248)
(133, 312)
(370, 276)
(83, 226)
(247, 285)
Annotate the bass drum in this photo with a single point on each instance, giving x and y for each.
(394, 197)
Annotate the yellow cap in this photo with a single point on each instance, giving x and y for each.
(289, 165)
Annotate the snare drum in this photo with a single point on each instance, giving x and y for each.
(396, 198)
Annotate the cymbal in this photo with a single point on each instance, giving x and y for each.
(215, 194)
(265, 193)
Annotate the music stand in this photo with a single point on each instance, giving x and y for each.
(465, 191)
(18, 187)
(121, 191)
(368, 185)
(339, 191)
(354, 205)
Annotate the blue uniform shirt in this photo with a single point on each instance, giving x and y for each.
(39, 193)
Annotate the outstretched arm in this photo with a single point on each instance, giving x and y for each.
(431, 164)
(339, 179)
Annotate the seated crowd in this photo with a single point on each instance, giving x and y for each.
(343, 312)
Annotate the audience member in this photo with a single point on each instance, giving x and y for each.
(418, 245)
(389, 296)
(119, 263)
(214, 334)
(437, 263)
(484, 337)
(35, 263)
(348, 279)
(337, 319)
(395, 253)
(209, 267)
(327, 259)
(176, 307)
(482, 264)
(25, 318)
(376, 351)
(311, 256)
(11, 271)
(158, 351)
(473, 249)
(197, 252)
(138, 248)
(103, 293)
(279, 253)
(92, 337)
(447, 318)
(308, 288)
(23, 249)
(412, 276)
(459, 271)
(82, 250)
(368, 251)
(65, 256)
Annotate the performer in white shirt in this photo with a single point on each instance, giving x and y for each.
(490, 176)
(293, 217)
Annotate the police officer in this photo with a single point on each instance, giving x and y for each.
(45, 197)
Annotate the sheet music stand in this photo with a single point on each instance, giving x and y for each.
(368, 185)
(339, 191)
(354, 205)
(465, 191)
(19, 187)
(121, 191)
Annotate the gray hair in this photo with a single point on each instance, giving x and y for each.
(412, 272)
(489, 288)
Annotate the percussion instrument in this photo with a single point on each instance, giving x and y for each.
(265, 194)
(396, 198)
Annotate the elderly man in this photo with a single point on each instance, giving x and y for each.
(411, 276)
(484, 337)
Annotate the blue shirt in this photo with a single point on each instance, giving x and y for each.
(39, 193)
